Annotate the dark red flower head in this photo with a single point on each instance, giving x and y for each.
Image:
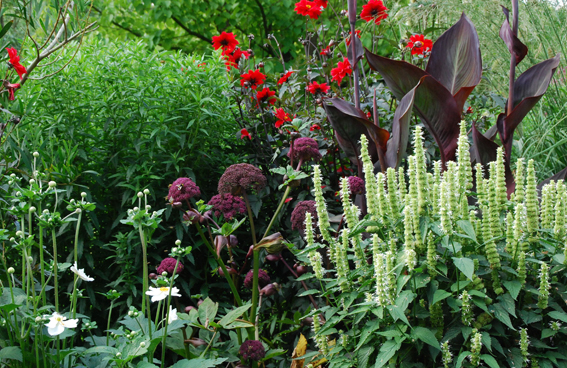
(326, 51)
(285, 77)
(15, 61)
(244, 134)
(469, 110)
(240, 177)
(233, 57)
(305, 149)
(226, 40)
(374, 10)
(252, 350)
(343, 68)
(263, 279)
(356, 185)
(311, 9)
(322, 3)
(316, 88)
(254, 78)
(265, 95)
(419, 45)
(182, 189)
(228, 205)
(168, 265)
(282, 116)
(298, 214)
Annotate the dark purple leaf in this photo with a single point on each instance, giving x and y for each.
(349, 124)
(455, 60)
(400, 76)
(515, 46)
(359, 50)
(528, 90)
(352, 11)
(440, 114)
(398, 142)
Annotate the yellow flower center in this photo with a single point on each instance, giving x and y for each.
(164, 289)
(308, 6)
(59, 319)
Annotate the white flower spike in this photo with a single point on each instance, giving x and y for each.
(172, 315)
(161, 293)
(81, 273)
(58, 323)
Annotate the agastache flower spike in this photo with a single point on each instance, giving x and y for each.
(446, 355)
(464, 158)
(421, 172)
(381, 295)
(351, 216)
(531, 201)
(412, 175)
(476, 346)
(544, 286)
(559, 228)
(431, 255)
(371, 185)
(500, 184)
(547, 204)
(520, 181)
(466, 309)
(320, 341)
(522, 273)
(510, 241)
(382, 198)
(393, 193)
(342, 262)
(524, 343)
(494, 205)
(444, 208)
(323, 216)
(410, 255)
(402, 187)
(480, 190)
(390, 275)
(519, 226)
(314, 256)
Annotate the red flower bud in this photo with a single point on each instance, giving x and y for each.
(273, 257)
(189, 308)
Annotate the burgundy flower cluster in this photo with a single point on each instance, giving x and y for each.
(298, 214)
(305, 149)
(228, 205)
(182, 189)
(241, 177)
(168, 265)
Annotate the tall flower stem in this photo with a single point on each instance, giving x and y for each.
(510, 106)
(256, 255)
(145, 268)
(75, 251)
(167, 307)
(55, 278)
(108, 321)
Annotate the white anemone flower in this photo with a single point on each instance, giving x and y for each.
(81, 273)
(172, 315)
(58, 323)
(161, 293)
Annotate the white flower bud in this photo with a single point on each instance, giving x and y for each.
(38, 319)
(32, 181)
(83, 194)
(130, 313)
(52, 184)
(12, 239)
(114, 291)
(146, 191)
(118, 355)
(32, 209)
(143, 344)
(20, 233)
(11, 270)
(148, 207)
(12, 175)
(140, 194)
(30, 259)
(136, 209)
(36, 154)
(78, 210)
(178, 242)
(164, 273)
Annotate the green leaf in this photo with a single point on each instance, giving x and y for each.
(513, 287)
(508, 303)
(233, 315)
(465, 265)
(198, 363)
(489, 359)
(425, 335)
(387, 351)
(558, 315)
(207, 311)
(12, 352)
(440, 295)
(146, 365)
(309, 292)
(5, 29)
(364, 356)
(467, 227)
(461, 358)
(502, 315)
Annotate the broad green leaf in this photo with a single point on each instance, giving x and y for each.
(146, 365)
(513, 288)
(440, 295)
(461, 358)
(502, 315)
(387, 351)
(558, 315)
(466, 266)
(508, 303)
(364, 356)
(11, 352)
(467, 227)
(489, 359)
(233, 315)
(198, 363)
(425, 335)
(207, 311)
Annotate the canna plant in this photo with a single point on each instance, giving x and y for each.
(436, 274)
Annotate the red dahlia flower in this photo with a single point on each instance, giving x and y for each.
(316, 88)
(15, 61)
(285, 77)
(226, 40)
(265, 95)
(233, 57)
(253, 77)
(374, 10)
(326, 51)
(350, 33)
(311, 9)
(314, 127)
(244, 133)
(419, 45)
(322, 3)
(469, 109)
(282, 116)
(343, 68)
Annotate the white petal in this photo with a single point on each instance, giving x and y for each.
(172, 315)
(72, 323)
(158, 297)
(57, 330)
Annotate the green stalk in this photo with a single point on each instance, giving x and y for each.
(163, 348)
(145, 267)
(108, 321)
(55, 279)
(256, 255)
(41, 265)
(75, 251)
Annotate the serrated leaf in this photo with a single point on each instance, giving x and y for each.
(513, 288)
(440, 295)
(198, 363)
(467, 227)
(387, 351)
(502, 315)
(364, 356)
(461, 358)
(489, 359)
(425, 335)
(558, 315)
(466, 266)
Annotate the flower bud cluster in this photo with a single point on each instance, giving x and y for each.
(320, 341)
(476, 346)
(466, 309)
(464, 159)
(314, 256)
(544, 286)
(342, 262)
(421, 172)
(524, 343)
(547, 204)
(381, 295)
(321, 206)
(370, 181)
(531, 201)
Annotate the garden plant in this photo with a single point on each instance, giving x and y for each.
(240, 211)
